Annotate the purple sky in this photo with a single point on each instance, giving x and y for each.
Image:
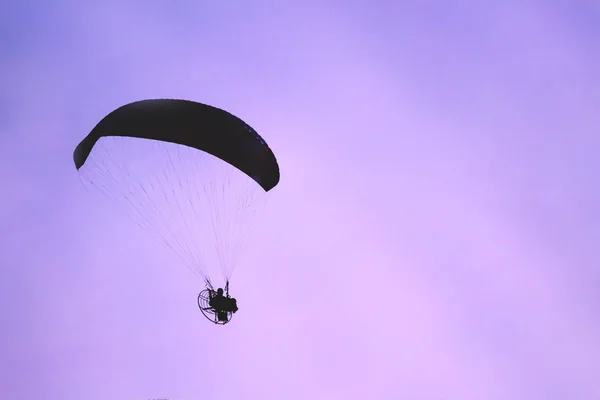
(434, 235)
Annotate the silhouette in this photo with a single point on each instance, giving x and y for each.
(165, 129)
(217, 305)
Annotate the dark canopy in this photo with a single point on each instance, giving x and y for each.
(192, 124)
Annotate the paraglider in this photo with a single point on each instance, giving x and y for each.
(192, 175)
(217, 305)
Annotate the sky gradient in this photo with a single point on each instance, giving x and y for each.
(434, 235)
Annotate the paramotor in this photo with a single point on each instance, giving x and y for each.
(192, 175)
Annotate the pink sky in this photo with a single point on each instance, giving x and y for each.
(434, 235)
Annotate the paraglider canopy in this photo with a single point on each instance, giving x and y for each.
(191, 124)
